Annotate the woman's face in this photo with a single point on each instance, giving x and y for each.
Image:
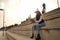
(38, 13)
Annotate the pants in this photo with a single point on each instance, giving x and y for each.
(37, 27)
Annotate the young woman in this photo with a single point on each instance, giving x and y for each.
(39, 22)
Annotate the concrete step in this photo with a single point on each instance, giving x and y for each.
(18, 37)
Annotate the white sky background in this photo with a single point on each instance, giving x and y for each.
(18, 10)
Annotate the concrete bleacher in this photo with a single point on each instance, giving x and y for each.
(50, 32)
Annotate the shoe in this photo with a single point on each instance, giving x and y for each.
(38, 37)
(32, 36)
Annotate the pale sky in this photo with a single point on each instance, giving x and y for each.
(18, 10)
